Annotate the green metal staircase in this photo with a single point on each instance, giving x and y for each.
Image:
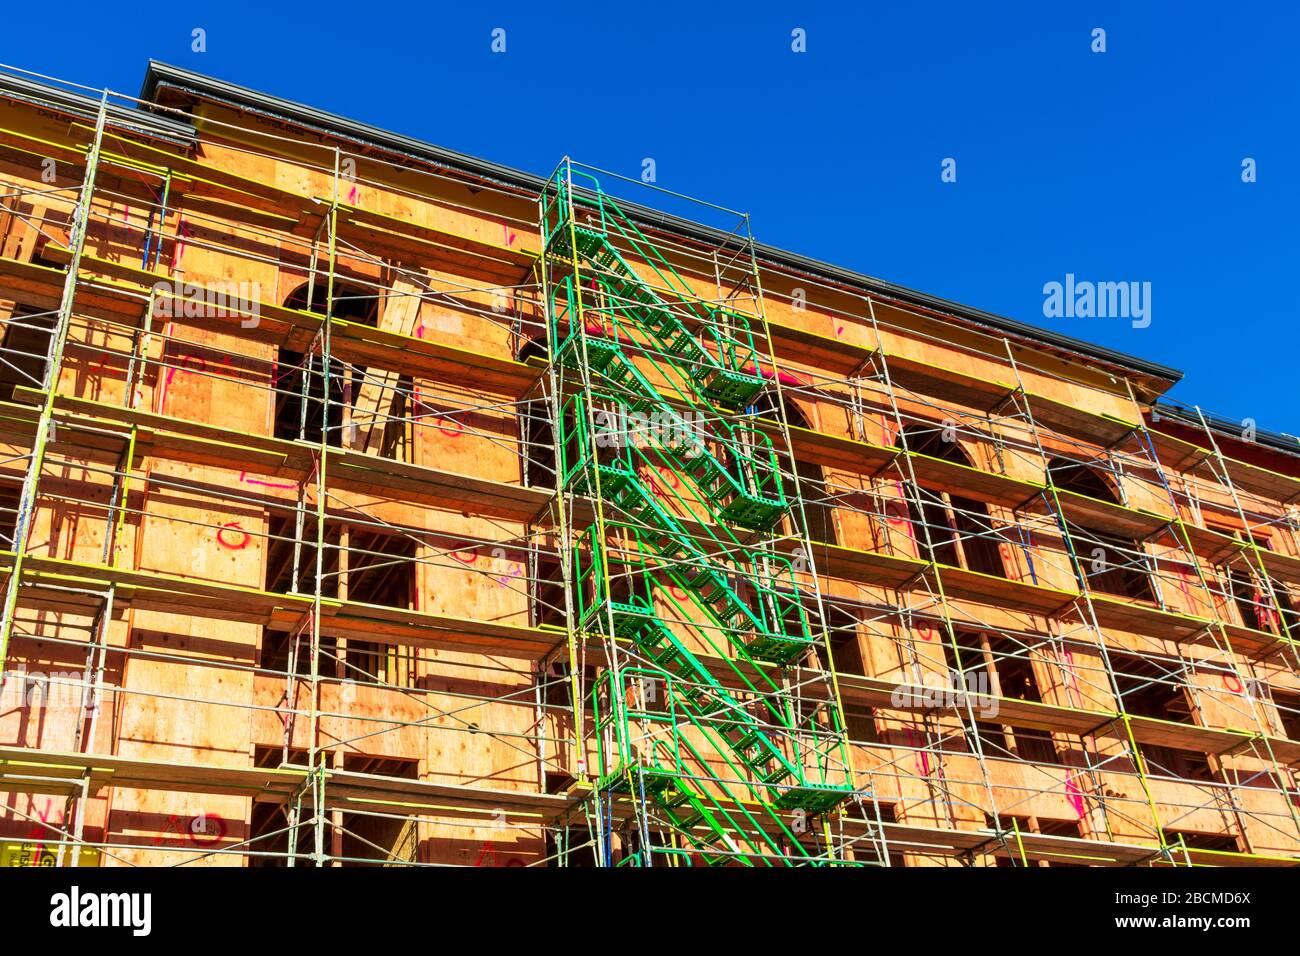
(717, 366)
(728, 755)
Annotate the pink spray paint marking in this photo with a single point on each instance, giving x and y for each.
(186, 363)
(513, 570)
(182, 233)
(1075, 796)
(510, 236)
(161, 393)
(243, 476)
(922, 758)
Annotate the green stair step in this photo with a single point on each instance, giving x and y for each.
(812, 798)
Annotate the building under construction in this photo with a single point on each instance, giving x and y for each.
(364, 503)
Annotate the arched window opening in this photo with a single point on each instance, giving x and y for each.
(1112, 564)
(817, 511)
(301, 409)
(351, 302)
(960, 528)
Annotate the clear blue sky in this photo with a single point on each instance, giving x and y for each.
(1118, 166)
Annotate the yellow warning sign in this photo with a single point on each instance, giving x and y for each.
(35, 853)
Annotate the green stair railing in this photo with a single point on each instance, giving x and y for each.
(643, 744)
(797, 763)
(687, 505)
(724, 367)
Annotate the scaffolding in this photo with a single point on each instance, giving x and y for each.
(683, 599)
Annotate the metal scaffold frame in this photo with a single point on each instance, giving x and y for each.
(694, 655)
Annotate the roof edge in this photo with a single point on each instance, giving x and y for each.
(1226, 427)
(51, 97)
(159, 74)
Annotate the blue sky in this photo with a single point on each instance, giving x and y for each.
(1115, 166)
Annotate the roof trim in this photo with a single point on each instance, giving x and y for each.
(1227, 427)
(159, 75)
(45, 96)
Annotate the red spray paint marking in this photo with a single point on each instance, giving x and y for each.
(50, 814)
(205, 829)
(1182, 586)
(1006, 551)
(900, 505)
(646, 474)
(188, 363)
(473, 556)
(489, 852)
(1236, 680)
(243, 476)
(352, 196)
(278, 375)
(230, 545)
(457, 427)
(654, 481)
(510, 236)
(455, 431)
